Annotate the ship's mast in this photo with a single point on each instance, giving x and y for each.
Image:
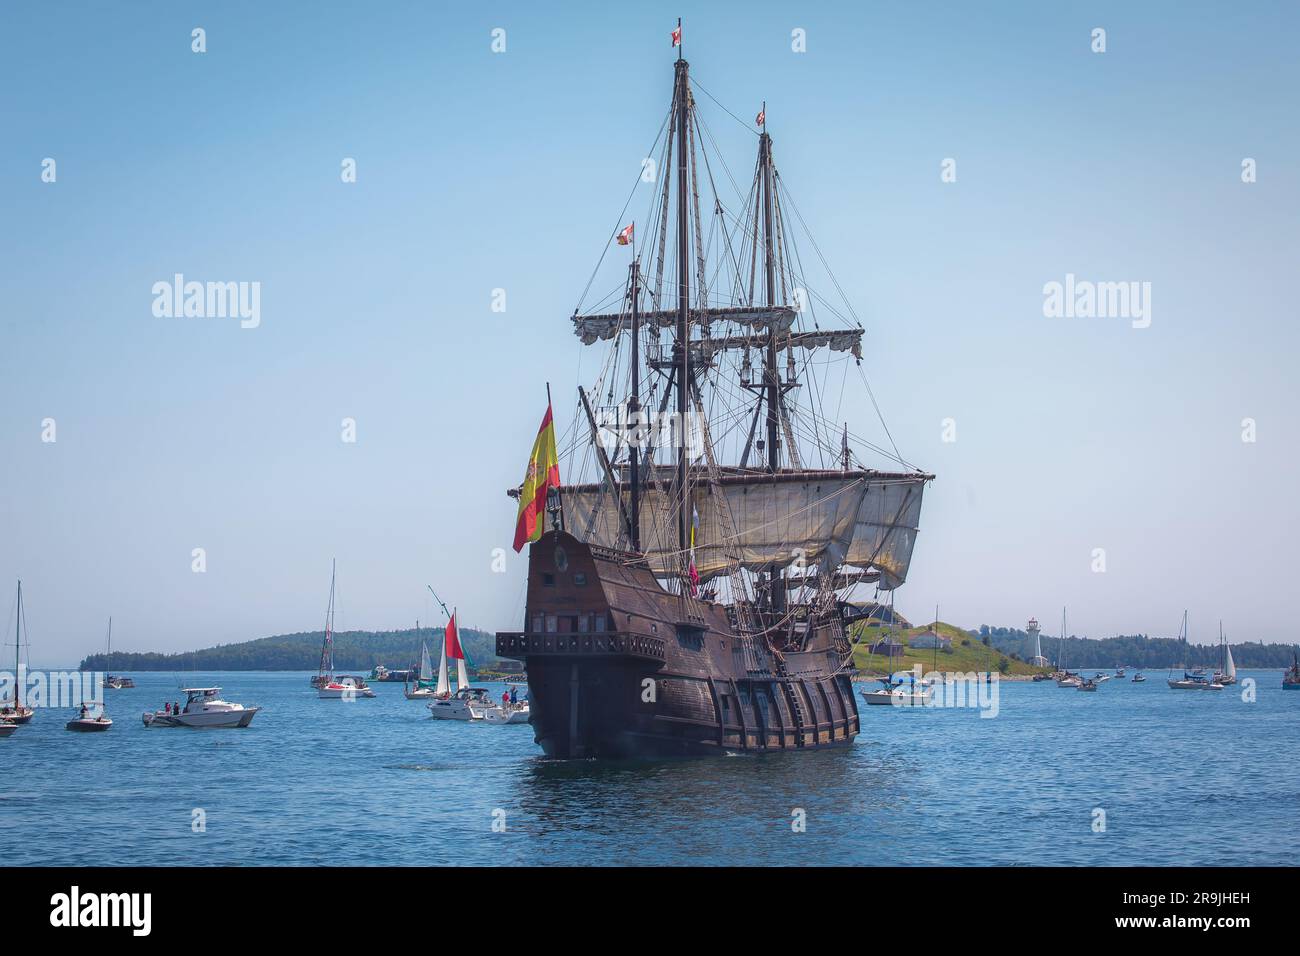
(634, 415)
(771, 379)
(681, 118)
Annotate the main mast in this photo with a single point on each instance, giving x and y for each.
(634, 416)
(682, 345)
(776, 584)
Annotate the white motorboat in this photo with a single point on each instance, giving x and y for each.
(468, 703)
(901, 690)
(89, 721)
(345, 687)
(1192, 682)
(1087, 685)
(7, 727)
(1069, 680)
(203, 708)
(516, 713)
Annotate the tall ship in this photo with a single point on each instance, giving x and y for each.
(688, 582)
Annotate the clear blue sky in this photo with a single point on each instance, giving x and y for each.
(478, 171)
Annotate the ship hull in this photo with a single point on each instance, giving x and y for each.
(620, 668)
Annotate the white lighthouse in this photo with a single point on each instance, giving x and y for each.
(1038, 660)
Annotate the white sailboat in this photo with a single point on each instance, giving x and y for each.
(114, 681)
(13, 710)
(468, 703)
(1065, 678)
(328, 685)
(424, 686)
(1227, 674)
(1191, 680)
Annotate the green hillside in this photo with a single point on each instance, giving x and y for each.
(968, 652)
(354, 651)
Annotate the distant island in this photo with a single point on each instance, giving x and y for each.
(883, 650)
(354, 651)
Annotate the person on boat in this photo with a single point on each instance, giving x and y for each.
(167, 707)
(513, 699)
(505, 700)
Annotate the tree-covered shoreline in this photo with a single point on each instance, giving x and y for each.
(1136, 650)
(353, 651)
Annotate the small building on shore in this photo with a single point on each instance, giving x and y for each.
(887, 648)
(929, 640)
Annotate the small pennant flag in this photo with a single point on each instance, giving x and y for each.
(761, 118)
(677, 36)
(625, 237)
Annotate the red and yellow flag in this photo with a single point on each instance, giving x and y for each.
(543, 473)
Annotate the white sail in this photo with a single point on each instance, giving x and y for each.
(462, 676)
(866, 519)
(1231, 668)
(444, 687)
(426, 666)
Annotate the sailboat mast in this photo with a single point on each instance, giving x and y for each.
(326, 653)
(18, 619)
(682, 94)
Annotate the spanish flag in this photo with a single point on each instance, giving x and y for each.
(543, 473)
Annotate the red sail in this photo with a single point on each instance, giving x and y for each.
(453, 641)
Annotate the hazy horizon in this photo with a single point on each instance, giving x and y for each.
(478, 171)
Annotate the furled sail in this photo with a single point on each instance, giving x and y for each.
(778, 318)
(864, 518)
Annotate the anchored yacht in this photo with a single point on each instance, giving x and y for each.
(203, 708)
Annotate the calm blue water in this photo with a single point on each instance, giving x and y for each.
(1184, 778)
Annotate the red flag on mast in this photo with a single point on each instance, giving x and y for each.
(677, 34)
(625, 237)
